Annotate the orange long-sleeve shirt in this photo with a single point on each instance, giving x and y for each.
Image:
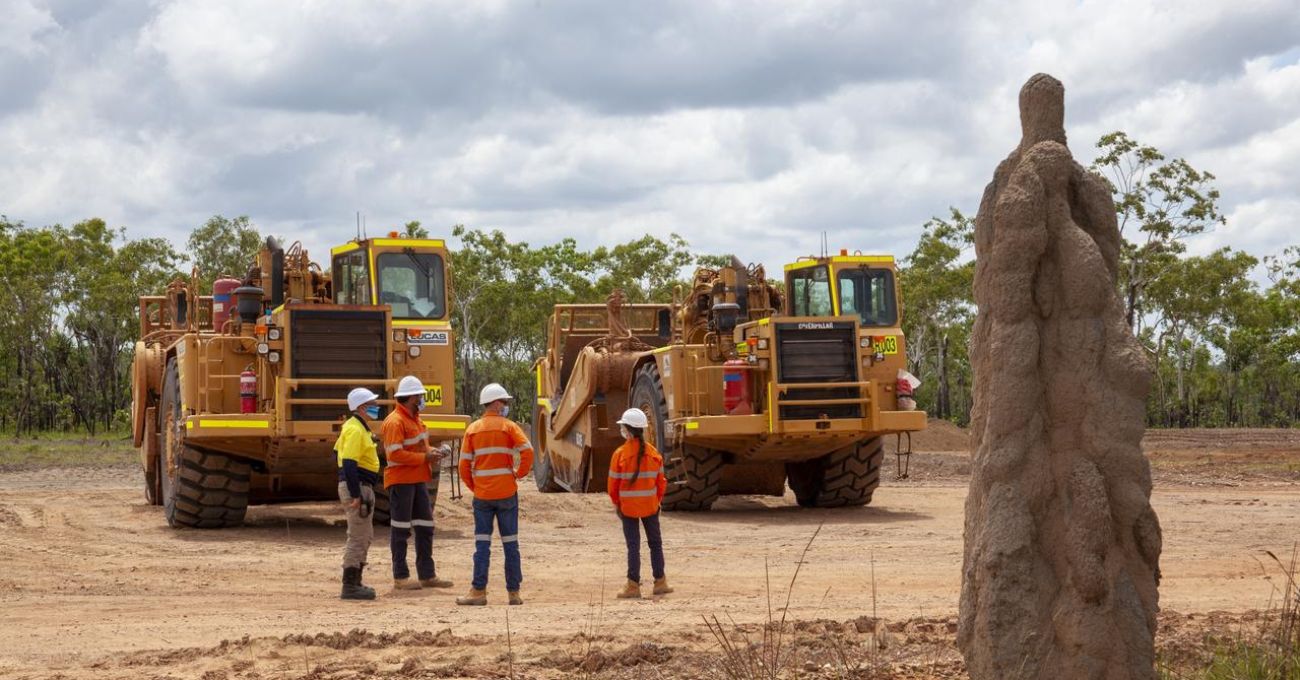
(487, 457)
(636, 494)
(405, 440)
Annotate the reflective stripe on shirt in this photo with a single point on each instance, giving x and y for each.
(645, 474)
(635, 494)
(493, 472)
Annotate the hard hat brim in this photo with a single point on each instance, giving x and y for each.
(407, 393)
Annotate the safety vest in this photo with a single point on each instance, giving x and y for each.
(636, 493)
(487, 457)
(405, 440)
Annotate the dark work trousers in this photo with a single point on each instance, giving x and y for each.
(632, 532)
(409, 509)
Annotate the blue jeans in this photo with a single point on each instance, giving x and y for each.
(506, 513)
(632, 532)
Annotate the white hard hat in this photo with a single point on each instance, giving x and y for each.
(409, 386)
(492, 392)
(360, 397)
(633, 417)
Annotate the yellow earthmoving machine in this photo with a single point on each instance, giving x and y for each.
(238, 396)
(745, 388)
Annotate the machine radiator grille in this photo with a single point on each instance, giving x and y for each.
(335, 343)
(818, 352)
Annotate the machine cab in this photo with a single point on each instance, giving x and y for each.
(407, 274)
(411, 276)
(857, 285)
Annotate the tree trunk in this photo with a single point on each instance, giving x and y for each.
(945, 407)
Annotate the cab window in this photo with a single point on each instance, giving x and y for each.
(810, 292)
(868, 294)
(351, 279)
(412, 283)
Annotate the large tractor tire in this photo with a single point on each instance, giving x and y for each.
(844, 477)
(380, 513)
(543, 473)
(200, 489)
(694, 473)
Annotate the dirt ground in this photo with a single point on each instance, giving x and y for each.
(94, 584)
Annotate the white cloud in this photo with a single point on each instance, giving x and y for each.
(744, 127)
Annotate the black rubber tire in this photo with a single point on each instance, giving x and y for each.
(694, 473)
(380, 513)
(202, 489)
(841, 478)
(543, 473)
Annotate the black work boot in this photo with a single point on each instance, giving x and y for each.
(352, 588)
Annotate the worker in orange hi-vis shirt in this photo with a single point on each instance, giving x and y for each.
(495, 453)
(637, 485)
(410, 467)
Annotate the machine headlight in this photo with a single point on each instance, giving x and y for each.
(864, 342)
(398, 336)
(262, 348)
(762, 343)
(273, 333)
(273, 357)
(414, 351)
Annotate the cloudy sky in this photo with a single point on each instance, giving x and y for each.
(746, 127)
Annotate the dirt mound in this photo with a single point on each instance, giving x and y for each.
(941, 435)
(1062, 546)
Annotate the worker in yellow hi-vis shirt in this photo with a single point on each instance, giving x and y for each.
(358, 460)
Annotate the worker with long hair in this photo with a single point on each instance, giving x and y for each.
(636, 486)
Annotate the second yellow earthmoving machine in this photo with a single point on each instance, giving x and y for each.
(745, 388)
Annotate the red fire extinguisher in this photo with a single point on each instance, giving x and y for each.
(248, 391)
(735, 387)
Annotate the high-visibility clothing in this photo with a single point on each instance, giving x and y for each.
(487, 457)
(636, 492)
(405, 440)
(357, 456)
(354, 443)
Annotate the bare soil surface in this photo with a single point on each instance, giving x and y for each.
(94, 584)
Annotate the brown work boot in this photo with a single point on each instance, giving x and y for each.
(515, 598)
(435, 582)
(631, 591)
(405, 584)
(476, 598)
(662, 587)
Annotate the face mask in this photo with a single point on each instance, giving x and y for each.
(505, 411)
(624, 433)
(419, 405)
(372, 412)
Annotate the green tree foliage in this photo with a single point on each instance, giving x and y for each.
(504, 292)
(938, 311)
(223, 247)
(1159, 203)
(68, 318)
(413, 229)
